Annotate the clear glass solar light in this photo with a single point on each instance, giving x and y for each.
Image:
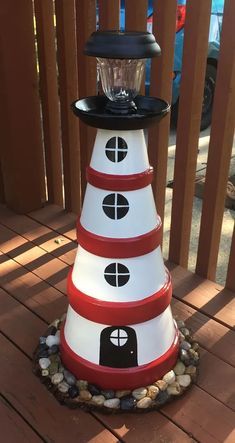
(121, 81)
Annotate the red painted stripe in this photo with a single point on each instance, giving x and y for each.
(112, 313)
(115, 378)
(119, 247)
(119, 182)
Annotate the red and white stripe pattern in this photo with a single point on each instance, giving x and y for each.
(119, 283)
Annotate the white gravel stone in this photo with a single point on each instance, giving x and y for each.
(112, 403)
(174, 389)
(179, 368)
(63, 387)
(70, 379)
(195, 346)
(57, 378)
(161, 384)
(191, 370)
(185, 345)
(63, 317)
(185, 331)
(98, 399)
(184, 380)
(139, 393)
(82, 384)
(44, 362)
(144, 403)
(169, 377)
(181, 337)
(52, 340)
(180, 324)
(153, 391)
(55, 323)
(85, 395)
(122, 393)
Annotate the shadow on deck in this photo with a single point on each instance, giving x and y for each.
(36, 253)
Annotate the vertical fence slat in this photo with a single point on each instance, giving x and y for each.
(2, 193)
(87, 76)
(20, 124)
(136, 15)
(68, 91)
(230, 280)
(136, 20)
(164, 19)
(221, 140)
(188, 128)
(109, 14)
(44, 13)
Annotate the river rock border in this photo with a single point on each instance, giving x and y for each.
(80, 394)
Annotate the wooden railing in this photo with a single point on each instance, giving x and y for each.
(44, 147)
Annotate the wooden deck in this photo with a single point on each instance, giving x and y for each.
(33, 274)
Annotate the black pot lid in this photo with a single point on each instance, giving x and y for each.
(93, 112)
(122, 45)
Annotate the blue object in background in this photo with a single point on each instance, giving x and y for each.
(213, 51)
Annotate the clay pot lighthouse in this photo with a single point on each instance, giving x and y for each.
(119, 332)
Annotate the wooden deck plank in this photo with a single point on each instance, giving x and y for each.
(201, 294)
(39, 408)
(57, 219)
(48, 240)
(47, 302)
(175, 272)
(16, 323)
(19, 324)
(111, 421)
(217, 378)
(188, 287)
(198, 326)
(208, 420)
(204, 295)
(151, 428)
(41, 263)
(211, 335)
(219, 338)
(13, 427)
(37, 295)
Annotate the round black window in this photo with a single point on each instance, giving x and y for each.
(115, 206)
(116, 149)
(116, 274)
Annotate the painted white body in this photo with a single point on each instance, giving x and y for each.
(146, 273)
(136, 160)
(147, 276)
(154, 337)
(140, 218)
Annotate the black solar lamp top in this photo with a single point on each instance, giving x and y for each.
(122, 45)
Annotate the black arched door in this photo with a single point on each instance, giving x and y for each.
(118, 347)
